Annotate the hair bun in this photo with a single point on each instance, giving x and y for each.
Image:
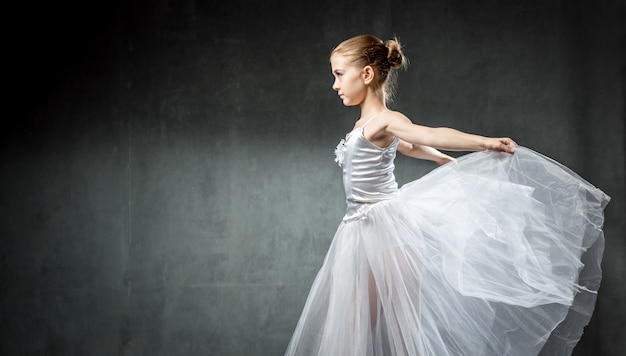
(384, 56)
(395, 57)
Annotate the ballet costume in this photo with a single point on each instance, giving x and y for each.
(491, 254)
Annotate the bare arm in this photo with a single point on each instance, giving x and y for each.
(423, 152)
(443, 137)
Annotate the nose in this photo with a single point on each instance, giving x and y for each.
(336, 85)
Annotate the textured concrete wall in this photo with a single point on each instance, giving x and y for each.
(168, 184)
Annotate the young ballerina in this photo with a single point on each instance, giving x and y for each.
(482, 256)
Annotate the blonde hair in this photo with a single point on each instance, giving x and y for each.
(384, 56)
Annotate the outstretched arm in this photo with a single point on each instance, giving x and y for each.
(423, 152)
(444, 138)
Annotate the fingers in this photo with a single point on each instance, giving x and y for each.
(508, 145)
(511, 142)
(503, 144)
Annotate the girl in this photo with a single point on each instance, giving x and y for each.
(482, 256)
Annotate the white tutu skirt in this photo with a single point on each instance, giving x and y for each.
(494, 254)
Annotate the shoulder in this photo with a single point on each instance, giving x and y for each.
(378, 128)
(386, 119)
(398, 124)
(390, 117)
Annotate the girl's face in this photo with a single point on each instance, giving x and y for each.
(349, 82)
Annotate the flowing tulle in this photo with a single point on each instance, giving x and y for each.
(494, 254)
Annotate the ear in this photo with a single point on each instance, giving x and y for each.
(368, 74)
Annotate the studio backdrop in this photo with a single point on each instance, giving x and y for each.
(168, 183)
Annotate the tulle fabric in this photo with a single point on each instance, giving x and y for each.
(494, 254)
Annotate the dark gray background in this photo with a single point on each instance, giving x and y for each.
(168, 184)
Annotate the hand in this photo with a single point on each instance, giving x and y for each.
(503, 144)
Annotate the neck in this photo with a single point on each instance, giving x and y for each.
(371, 107)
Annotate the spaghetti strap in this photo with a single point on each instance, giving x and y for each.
(372, 118)
(362, 127)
